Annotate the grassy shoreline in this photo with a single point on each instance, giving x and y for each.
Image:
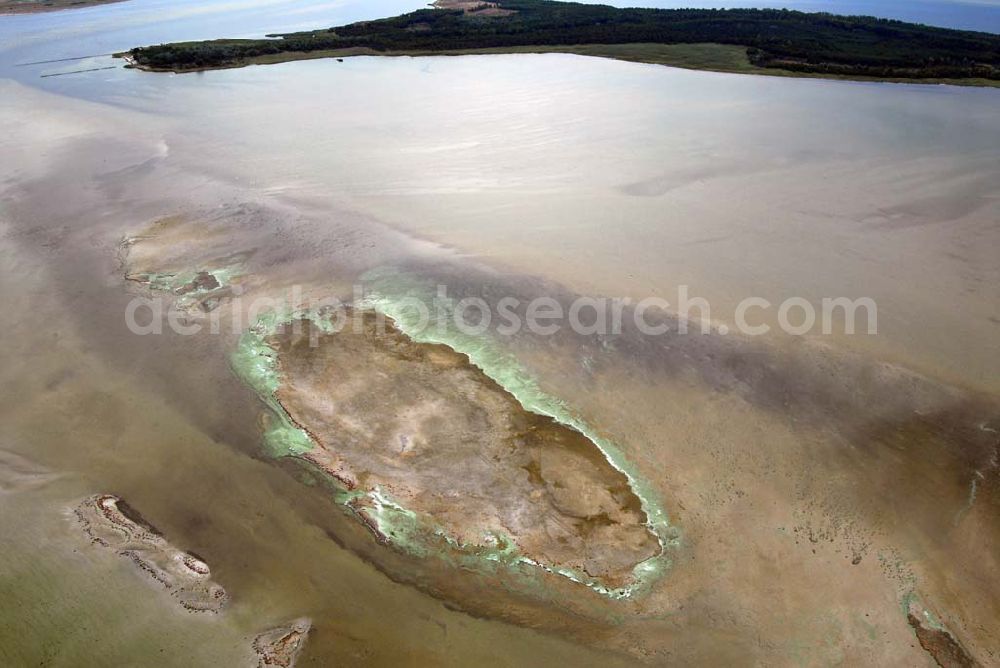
(725, 58)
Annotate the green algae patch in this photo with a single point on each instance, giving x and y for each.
(421, 537)
(256, 363)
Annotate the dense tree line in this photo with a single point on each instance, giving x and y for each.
(852, 45)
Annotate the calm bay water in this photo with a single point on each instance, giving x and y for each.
(736, 186)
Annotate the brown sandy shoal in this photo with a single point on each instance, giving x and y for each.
(419, 423)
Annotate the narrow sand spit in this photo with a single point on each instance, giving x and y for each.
(111, 523)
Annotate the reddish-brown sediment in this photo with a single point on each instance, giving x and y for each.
(940, 644)
(421, 425)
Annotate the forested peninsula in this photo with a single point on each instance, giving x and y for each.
(762, 41)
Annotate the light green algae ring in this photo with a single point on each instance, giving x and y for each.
(393, 293)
